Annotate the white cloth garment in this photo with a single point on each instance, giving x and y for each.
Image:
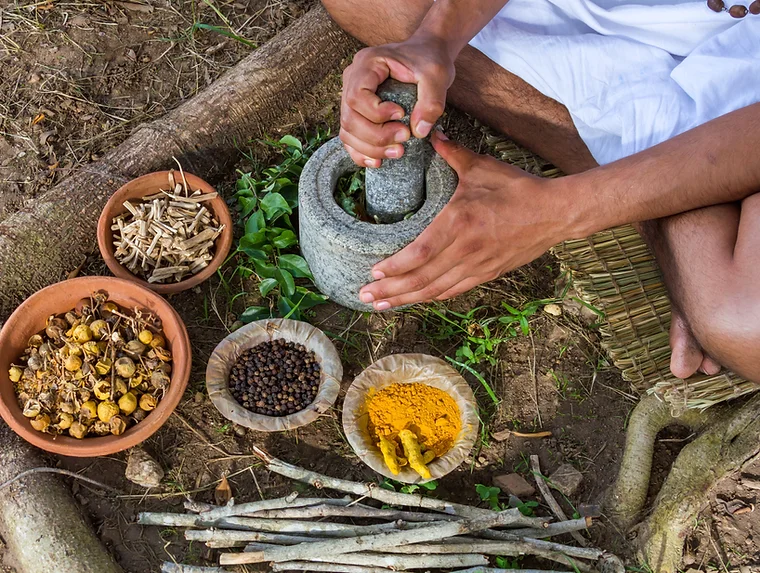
(632, 73)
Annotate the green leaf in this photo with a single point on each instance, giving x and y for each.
(274, 205)
(256, 254)
(307, 299)
(286, 282)
(254, 240)
(223, 32)
(291, 141)
(511, 309)
(430, 485)
(255, 223)
(248, 204)
(296, 265)
(285, 239)
(266, 286)
(264, 270)
(524, 326)
(255, 313)
(284, 306)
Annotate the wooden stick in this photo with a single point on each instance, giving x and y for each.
(549, 498)
(372, 491)
(270, 504)
(496, 570)
(432, 532)
(395, 562)
(219, 536)
(358, 510)
(169, 567)
(325, 567)
(557, 528)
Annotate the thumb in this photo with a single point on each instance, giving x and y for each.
(456, 155)
(431, 102)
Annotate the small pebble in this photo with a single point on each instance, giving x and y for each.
(143, 470)
(275, 378)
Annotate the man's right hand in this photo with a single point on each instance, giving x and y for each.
(367, 125)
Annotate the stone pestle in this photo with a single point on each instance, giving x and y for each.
(397, 187)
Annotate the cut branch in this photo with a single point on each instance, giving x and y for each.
(372, 491)
(358, 511)
(432, 532)
(549, 498)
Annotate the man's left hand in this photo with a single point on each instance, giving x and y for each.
(499, 218)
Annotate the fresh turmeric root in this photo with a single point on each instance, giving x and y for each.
(413, 453)
(388, 450)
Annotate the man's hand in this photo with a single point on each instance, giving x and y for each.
(499, 218)
(367, 126)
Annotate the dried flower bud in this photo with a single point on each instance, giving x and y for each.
(101, 428)
(55, 328)
(32, 409)
(34, 362)
(118, 425)
(71, 318)
(74, 350)
(136, 381)
(72, 363)
(99, 329)
(102, 390)
(78, 430)
(41, 422)
(121, 386)
(91, 348)
(125, 367)
(15, 373)
(139, 415)
(134, 348)
(163, 354)
(147, 402)
(88, 410)
(159, 380)
(107, 410)
(737, 11)
(35, 341)
(103, 366)
(66, 407)
(145, 336)
(158, 341)
(108, 308)
(82, 333)
(65, 421)
(128, 403)
(45, 350)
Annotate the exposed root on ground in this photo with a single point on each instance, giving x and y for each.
(730, 435)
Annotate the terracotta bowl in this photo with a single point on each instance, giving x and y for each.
(148, 185)
(29, 318)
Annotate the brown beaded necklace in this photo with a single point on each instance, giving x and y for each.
(737, 10)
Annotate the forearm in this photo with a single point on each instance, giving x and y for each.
(456, 22)
(708, 165)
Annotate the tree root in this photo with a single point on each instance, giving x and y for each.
(730, 436)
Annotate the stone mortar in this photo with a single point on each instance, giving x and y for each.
(397, 187)
(340, 249)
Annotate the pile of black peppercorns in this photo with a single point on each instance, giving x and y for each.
(275, 378)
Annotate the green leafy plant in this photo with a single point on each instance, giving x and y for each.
(508, 563)
(394, 485)
(268, 250)
(519, 318)
(491, 495)
(349, 194)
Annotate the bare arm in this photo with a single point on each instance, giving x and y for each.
(708, 165)
(504, 218)
(368, 129)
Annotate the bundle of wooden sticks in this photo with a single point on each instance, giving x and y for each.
(290, 533)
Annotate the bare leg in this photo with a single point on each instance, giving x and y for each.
(707, 255)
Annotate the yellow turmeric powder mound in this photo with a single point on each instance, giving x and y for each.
(431, 414)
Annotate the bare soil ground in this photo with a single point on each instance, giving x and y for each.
(78, 76)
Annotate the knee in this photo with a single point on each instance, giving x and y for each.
(729, 331)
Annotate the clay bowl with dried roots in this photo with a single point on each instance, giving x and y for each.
(151, 184)
(30, 318)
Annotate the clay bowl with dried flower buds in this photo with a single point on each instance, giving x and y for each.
(150, 185)
(30, 318)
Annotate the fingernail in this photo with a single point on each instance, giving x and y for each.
(424, 127)
(370, 162)
(392, 153)
(382, 305)
(367, 297)
(397, 115)
(401, 136)
(378, 275)
(442, 136)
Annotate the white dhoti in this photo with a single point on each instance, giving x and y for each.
(632, 74)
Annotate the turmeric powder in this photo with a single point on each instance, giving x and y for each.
(429, 413)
